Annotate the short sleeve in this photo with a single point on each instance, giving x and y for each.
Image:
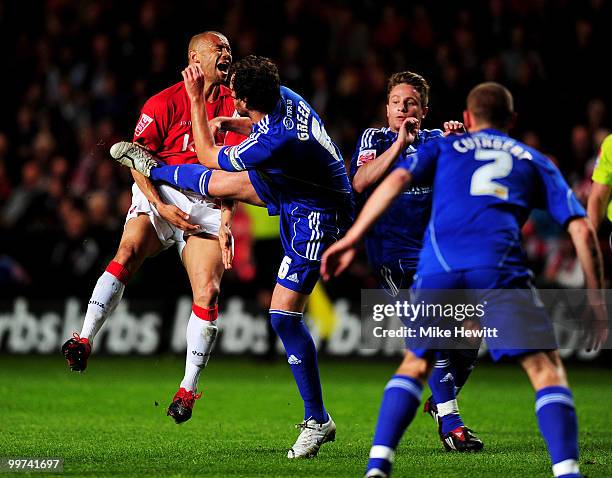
(252, 152)
(368, 148)
(602, 173)
(152, 125)
(561, 202)
(422, 164)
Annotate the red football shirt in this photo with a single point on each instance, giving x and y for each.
(164, 126)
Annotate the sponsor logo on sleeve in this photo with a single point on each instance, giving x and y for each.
(144, 121)
(366, 156)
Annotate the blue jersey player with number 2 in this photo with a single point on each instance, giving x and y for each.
(298, 172)
(484, 187)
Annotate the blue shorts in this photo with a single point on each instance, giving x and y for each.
(305, 232)
(265, 192)
(394, 276)
(513, 308)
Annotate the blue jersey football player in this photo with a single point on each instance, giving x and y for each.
(394, 242)
(484, 186)
(290, 164)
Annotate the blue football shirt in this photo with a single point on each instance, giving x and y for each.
(485, 185)
(294, 154)
(398, 233)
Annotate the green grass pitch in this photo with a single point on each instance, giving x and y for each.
(106, 422)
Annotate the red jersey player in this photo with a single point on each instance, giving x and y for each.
(164, 127)
(159, 218)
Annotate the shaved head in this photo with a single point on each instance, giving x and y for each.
(212, 52)
(200, 40)
(491, 103)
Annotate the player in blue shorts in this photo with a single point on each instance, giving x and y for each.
(484, 187)
(395, 240)
(297, 171)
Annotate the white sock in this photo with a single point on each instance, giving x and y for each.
(104, 299)
(201, 336)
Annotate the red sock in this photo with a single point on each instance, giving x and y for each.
(206, 313)
(119, 271)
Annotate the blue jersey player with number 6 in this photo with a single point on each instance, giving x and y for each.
(298, 173)
(484, 187)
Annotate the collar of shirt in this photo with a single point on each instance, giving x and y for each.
(262, 125)
(492, 131)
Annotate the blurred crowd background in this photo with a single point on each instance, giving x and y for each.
(75, 74)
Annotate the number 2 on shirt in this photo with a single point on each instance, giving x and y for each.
(483, 183)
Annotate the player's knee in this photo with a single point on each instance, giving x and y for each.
(207, 294)
(213, 186)
(127, 254)
(544, 371)
(415, 367)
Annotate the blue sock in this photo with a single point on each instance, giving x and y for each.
(559, 427)
(399, 404)
(442, 385)
(194, 177)
(302, 357)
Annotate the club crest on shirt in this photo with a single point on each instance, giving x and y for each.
(288, 122)
(144, 121)
(366, 156)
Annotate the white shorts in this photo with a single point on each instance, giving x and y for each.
(202, 211)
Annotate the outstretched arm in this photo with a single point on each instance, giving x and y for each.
(339, 255)
(206, 149)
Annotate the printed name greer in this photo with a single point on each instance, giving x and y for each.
(435, 332)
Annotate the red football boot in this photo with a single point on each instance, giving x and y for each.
(182, 405)
(77, 351)
(461, 439)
